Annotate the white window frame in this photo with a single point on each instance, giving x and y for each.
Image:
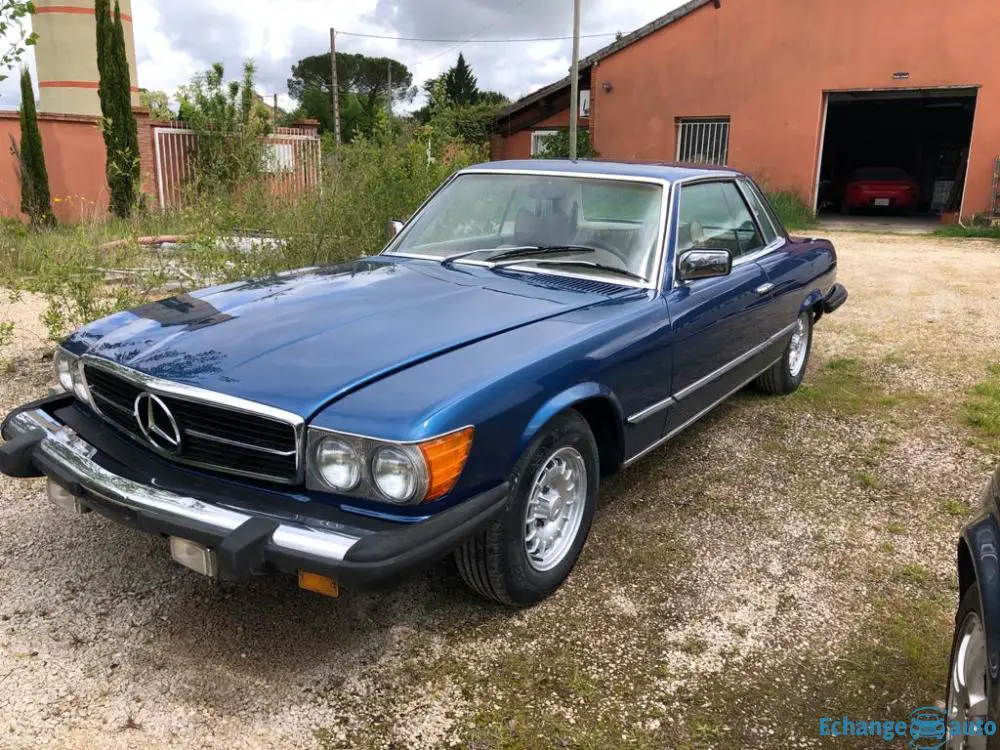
(536, 140)
(703, 140)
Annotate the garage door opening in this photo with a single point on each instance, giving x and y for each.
(899, 153)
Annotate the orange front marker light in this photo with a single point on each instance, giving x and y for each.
(318, 584)
(445, 457)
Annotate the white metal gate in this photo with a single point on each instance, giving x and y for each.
(292, 161)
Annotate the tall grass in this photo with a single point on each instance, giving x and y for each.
(98, 268)
(791, 209)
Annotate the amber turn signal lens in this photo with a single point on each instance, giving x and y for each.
(445, 457)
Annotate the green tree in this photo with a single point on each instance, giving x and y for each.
(158, 104)
(121, 133)
(556, 146)
(14, 37)
(363, 83)
(229, 125)
(460, 84)
(36, 200)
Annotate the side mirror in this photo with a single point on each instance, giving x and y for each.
(704, 264)
(394, 227)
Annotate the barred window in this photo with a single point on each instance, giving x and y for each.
(703, 141)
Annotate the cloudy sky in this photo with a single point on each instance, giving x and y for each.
(178, 38)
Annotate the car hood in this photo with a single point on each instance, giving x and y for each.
(298, 341)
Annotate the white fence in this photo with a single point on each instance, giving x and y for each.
(292, 159)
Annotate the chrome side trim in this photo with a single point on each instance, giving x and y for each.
(677, 430)
(649, 411)
(685, 392)
(71, 453)
(194, 394)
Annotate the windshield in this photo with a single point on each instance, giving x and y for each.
(610, 223)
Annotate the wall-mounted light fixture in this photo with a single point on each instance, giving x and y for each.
(607, 87)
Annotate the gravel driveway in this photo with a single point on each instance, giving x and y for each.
(785, 559)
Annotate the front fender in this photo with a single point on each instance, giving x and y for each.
(567, 399)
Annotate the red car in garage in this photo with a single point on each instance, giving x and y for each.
(880, 187)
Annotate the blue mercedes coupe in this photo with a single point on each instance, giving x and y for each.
(534, 327)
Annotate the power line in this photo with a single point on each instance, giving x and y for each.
(483, 30)
(475, 41)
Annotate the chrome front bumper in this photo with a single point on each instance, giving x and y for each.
(72, 456)
(244, 539)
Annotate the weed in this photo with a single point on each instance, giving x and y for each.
(791, 209)
(955, 508)
(982, 407)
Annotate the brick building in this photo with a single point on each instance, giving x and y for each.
(800, 93)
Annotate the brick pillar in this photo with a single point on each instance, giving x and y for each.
(147, 160)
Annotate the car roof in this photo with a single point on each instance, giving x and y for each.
(657, 170)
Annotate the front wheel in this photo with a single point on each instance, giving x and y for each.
(786, 375)
(968, 684)
(528, 552)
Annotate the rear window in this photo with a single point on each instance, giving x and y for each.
(881, 173)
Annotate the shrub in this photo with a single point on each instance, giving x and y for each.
(36, 200)
(791, 209)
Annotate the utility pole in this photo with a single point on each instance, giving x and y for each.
(274, 115)
(574, 84)
(334, 86)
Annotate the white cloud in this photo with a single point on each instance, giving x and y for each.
(177, 38)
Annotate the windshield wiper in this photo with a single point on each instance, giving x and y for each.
(589, 264)
(531, 251)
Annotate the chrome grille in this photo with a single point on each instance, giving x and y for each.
(216, 437)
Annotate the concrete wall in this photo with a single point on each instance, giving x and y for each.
(767, 63)
(66, 55)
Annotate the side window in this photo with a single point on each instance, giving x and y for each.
(713, 215)
(757, 206)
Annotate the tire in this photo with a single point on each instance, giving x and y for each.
(495, 564)
(967, 685)
(786, 375)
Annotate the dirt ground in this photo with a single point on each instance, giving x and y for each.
(788, 558)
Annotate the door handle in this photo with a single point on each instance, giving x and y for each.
(764, 289)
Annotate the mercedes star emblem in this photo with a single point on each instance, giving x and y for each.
(157, 423)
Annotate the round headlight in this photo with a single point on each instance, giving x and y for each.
(396, 474)
(64, 363)
(338, 464)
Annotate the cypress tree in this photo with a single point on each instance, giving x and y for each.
(36, 200)
(121, 132)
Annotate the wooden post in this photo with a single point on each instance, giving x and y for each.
(388, 67)
(574, 84)
(335, 89)
(274, 115)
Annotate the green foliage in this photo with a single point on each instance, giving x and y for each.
(791, 209)
(91, 270)
(982, 407)
(363, 84)
(14, 36)
(229, 127)
(973, 231)
(556, 146)
(121, 133)
(471, 124)
(460, 84)
(158, 104)
(36, 200)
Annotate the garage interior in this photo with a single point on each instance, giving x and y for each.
(924, 132)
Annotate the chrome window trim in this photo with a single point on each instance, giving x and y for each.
(198, 395)
(661, 239)
(711, 377)
(734, 178)
(743, 185)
